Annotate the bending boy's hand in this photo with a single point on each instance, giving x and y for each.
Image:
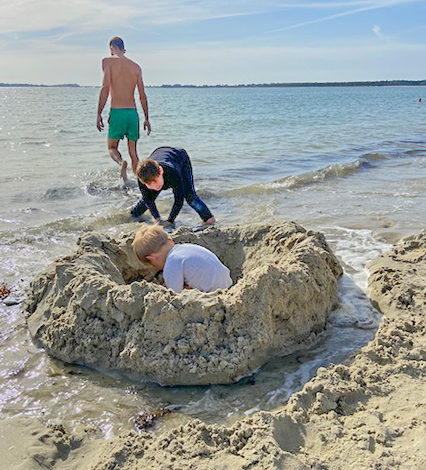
(167, 225)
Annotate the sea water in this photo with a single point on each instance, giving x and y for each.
(348, 161)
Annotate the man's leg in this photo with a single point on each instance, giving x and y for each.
(132, 147)
(116, 156)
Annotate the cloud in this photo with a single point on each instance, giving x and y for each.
(48, 41)
(219, 64)
(370, 5)
(74, 15)
(376, 31)
(94, 15)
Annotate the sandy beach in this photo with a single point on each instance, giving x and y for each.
(304, 124)
(366, 414)
(360, 186)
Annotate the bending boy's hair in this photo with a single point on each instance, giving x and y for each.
(147, 170)
(148, 239)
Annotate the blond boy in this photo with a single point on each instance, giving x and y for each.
(183, 265)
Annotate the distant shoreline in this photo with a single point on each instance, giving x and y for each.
(378, 83)
(30, 85)
(306, 84)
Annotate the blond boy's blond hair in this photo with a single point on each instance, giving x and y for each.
(148, 239)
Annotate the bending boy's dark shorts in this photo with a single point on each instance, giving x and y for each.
(123, 122)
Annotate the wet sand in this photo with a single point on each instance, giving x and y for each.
(367, 414)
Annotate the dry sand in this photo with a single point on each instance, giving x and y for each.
(370, 414)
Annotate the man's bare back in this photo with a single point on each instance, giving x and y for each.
(123, 75)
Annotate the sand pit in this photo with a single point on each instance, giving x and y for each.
(100, 308)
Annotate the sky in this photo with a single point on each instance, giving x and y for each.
(211, 42)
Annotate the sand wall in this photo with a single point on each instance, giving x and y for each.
(99, 307)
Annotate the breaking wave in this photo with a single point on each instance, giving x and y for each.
(294, 182)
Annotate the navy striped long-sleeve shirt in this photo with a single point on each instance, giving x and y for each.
(177, 176)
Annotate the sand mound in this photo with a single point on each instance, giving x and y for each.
(99, 308)
(397, 283)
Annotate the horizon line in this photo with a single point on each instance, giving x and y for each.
(394, 82)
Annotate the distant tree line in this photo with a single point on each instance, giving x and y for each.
(308, 84)
(73, 85)
(254, 85)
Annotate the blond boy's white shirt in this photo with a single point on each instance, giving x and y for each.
(196, 267)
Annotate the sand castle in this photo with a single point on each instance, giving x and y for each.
(101, 308)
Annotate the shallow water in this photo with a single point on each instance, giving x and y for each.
(350, 162)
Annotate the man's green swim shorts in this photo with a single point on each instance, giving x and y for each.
(123, 122)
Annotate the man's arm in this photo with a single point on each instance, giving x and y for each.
(103, 95)
(144, 103)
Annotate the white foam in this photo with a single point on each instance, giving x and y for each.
(355, 248)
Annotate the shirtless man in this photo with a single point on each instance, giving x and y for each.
(121, 77)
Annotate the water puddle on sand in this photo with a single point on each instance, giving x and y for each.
(33, 384)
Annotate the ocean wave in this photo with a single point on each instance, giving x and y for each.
(62, 193)
(206, 193)
(100, 189)
(68, 131)
(48, 234)
(35, 143)
(415, 152)
(293, 182)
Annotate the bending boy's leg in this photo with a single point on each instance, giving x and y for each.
(139, 209)
(132, 147)
(116, 156)
(198, 205)
(191, 196)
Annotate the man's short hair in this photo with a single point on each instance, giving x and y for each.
(148, 170)
(148, 240)
(117, 42)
